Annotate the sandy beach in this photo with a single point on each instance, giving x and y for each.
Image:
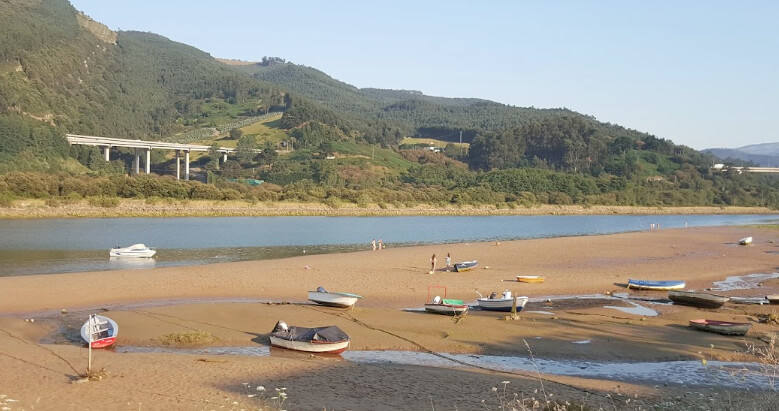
(237, 304)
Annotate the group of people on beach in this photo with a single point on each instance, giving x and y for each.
(377, 246)
(434, 260)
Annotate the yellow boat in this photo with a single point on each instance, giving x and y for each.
(530, 279)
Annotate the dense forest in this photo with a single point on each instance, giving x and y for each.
(61, 72)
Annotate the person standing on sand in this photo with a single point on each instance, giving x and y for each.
(432, 263)
(373, 244)
(448, 261)
(381, 244)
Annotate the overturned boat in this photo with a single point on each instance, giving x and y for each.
(99, 331)
(330, 339)
(720, 327)
(501, 303)
(697, 299)
(135, 250)
(656, 285)
(333, 299)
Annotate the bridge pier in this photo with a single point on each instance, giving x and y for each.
(106, 153)
(137, 163)
(186, 165)
(178, 165)
(224, 158)
(148, 161)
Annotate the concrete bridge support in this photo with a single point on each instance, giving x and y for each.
(186, 165)
(106, 153)
(148, 161)
(224, 158)
(178, 165)
(137, 163)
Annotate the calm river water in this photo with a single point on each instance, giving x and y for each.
(68, 245)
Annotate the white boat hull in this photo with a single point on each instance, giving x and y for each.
(745, 241)
(501, 304)
(446, 309)
(101, 341)
(307, 346)
(135, 250)
(342, 300)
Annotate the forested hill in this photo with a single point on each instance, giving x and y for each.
(58, 68)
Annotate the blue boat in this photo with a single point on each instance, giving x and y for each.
(656, 285)
(465, 266)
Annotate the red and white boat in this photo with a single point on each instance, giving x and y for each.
(329, 340)
(445, 306)
(99, 331)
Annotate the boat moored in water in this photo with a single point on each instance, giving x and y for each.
(325, 340)
(99, 331)
(720, 327)
(135, 250)
(656, 285)
(697, 299)
(333, 299)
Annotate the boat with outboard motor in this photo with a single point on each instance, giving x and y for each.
(135, 250)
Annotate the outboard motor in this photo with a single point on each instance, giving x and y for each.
(281, 326)
(493, 295)
(437, 299)
(321, 289)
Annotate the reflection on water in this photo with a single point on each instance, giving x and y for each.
(68, 245)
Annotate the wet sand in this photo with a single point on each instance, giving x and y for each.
(150, 304)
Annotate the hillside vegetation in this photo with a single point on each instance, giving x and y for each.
(63, 72)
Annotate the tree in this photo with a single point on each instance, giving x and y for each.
(235, 133)
(245, 148)
(214, 154)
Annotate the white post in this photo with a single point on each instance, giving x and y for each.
(186, 165)
(148, 160)
(224, 159)
(178, 165)
(106, 153)
(137, 163)
(90, 327)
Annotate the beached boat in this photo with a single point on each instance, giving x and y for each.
(333, 299)
(773, 299)
(656, 285)
(135, 250)
(530, 278)
(330, 339)
(465, 265)
(99, 331)
(696, 299)
(502, 303)
(749, 300)
(720, 327)
(446, 306)
(745, 241)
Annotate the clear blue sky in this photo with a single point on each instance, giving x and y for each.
(704, 74)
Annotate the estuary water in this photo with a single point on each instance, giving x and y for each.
(72, 245)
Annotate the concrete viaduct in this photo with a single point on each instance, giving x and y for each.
(146, 146)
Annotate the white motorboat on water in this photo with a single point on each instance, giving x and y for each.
(103, 331)
(135, 250)
(333, 299)
(501, 303)
(745, 241)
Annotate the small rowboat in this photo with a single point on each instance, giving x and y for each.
(465, 265)
(745, 241)
(333, 299)
(696, 299)
(446, 306)
(720, 327)
(503, 303)
(656, 285)
(530, 278)
(773, 299)
(135, 250)
(103, 331)
(330, 339)
(748, 300)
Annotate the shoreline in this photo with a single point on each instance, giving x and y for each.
(38, 209)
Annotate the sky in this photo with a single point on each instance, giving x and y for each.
(703, 74)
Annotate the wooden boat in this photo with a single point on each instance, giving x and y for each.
(530, 278)
(333, 299)
(135, 250)
(696, 299)
(720, 327)
(656, 285)
(502, 303)
(465, 265)
(773, 299)
(445, 306)
(99, 331)
(745, 241)
(330, 339)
